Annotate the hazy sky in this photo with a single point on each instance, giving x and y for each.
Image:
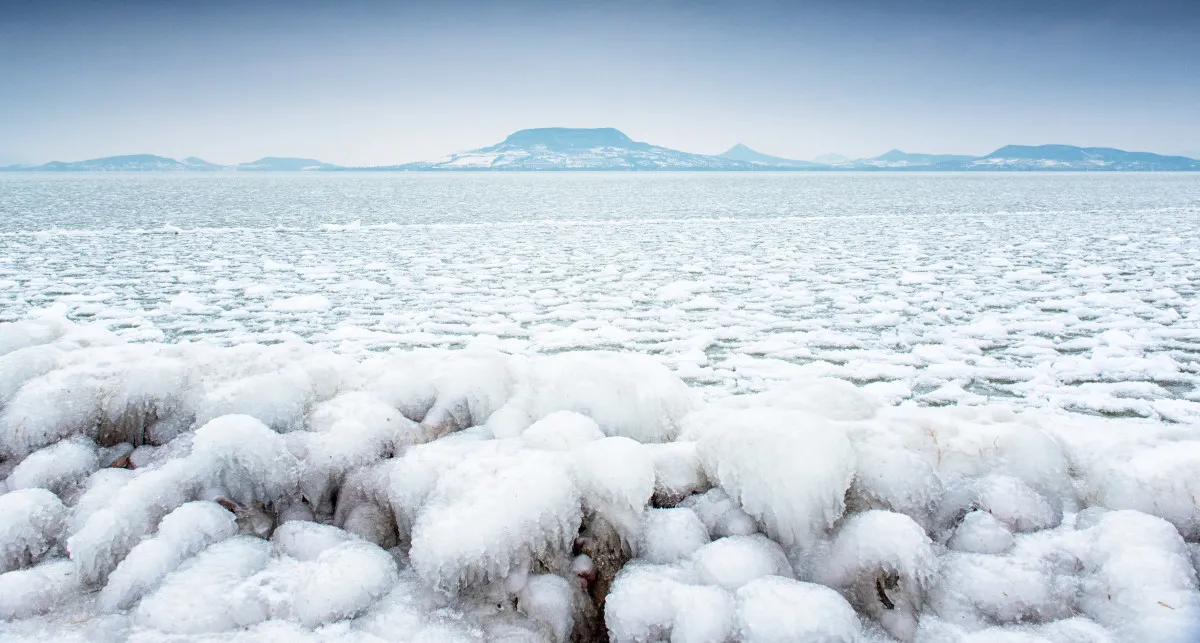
(383, 82)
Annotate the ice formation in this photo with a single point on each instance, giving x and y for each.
(284, 492)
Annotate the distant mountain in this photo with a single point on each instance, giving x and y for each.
(898, 159)
(129, 163)
(831, 159)
(565, 148)
(605, 148)
(285, 164)
(740, 152)
(1069, 157)
(198, 164)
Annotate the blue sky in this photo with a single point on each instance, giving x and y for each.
(382, 82)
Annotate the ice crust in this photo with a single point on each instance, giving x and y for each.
(286, 492)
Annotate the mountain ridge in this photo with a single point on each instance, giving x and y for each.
(607, 148)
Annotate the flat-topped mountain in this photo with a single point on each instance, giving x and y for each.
(568, 148)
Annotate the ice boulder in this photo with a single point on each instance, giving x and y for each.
(181, 534)
(343, 581)
(652, 603)
(490, 513)
(669, 535)
(36, 590)
(826, 397)
(627, 395)
(616, 479)
(773, 609)
(1161, 479)
(882, 562)
(198, 597)
(31, 524)
(788, 469)
(60, 467)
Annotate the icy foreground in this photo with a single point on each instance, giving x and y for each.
(289, 493)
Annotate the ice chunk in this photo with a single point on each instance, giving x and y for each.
(720, 514)
(627, 395)
(733, 561)
(561, 431)
(306, 540)
(678, 472)
(114, 398)
(649, 603)
(490, 513)
(181, 534)
(1139, 581)
(110, 532)
(343, 581)
(98, 491)
(36, 590)
(891, 478)
(59, 467)
(350, 432)
(280, 399)
(826, 397)
(250, 461)
(788, 469)
(31, 523)
(669, 535)
(197, 598)
(616, 478)
(1162, 479)
(882, 562)
(976, 590)
(548, 599)
(780, 610)
(980, 533)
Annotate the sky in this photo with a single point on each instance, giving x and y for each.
(374, 82)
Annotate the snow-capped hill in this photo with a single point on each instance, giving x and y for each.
(741, 152)
(284, 164)
(564, 148)
(1069, 157)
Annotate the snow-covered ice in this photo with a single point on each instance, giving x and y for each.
(965, 411)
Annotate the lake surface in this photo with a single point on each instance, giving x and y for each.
(1074, 291)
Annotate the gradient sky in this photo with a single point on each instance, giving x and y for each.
(375, 82)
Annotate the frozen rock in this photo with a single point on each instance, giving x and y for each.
(778, 610)
(787, 469)
(31, 524)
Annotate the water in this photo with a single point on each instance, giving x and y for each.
(1075, 291)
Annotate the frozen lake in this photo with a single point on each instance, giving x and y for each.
(1076, 291)
(226, 412)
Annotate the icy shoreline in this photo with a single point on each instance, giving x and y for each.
(287, 492)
